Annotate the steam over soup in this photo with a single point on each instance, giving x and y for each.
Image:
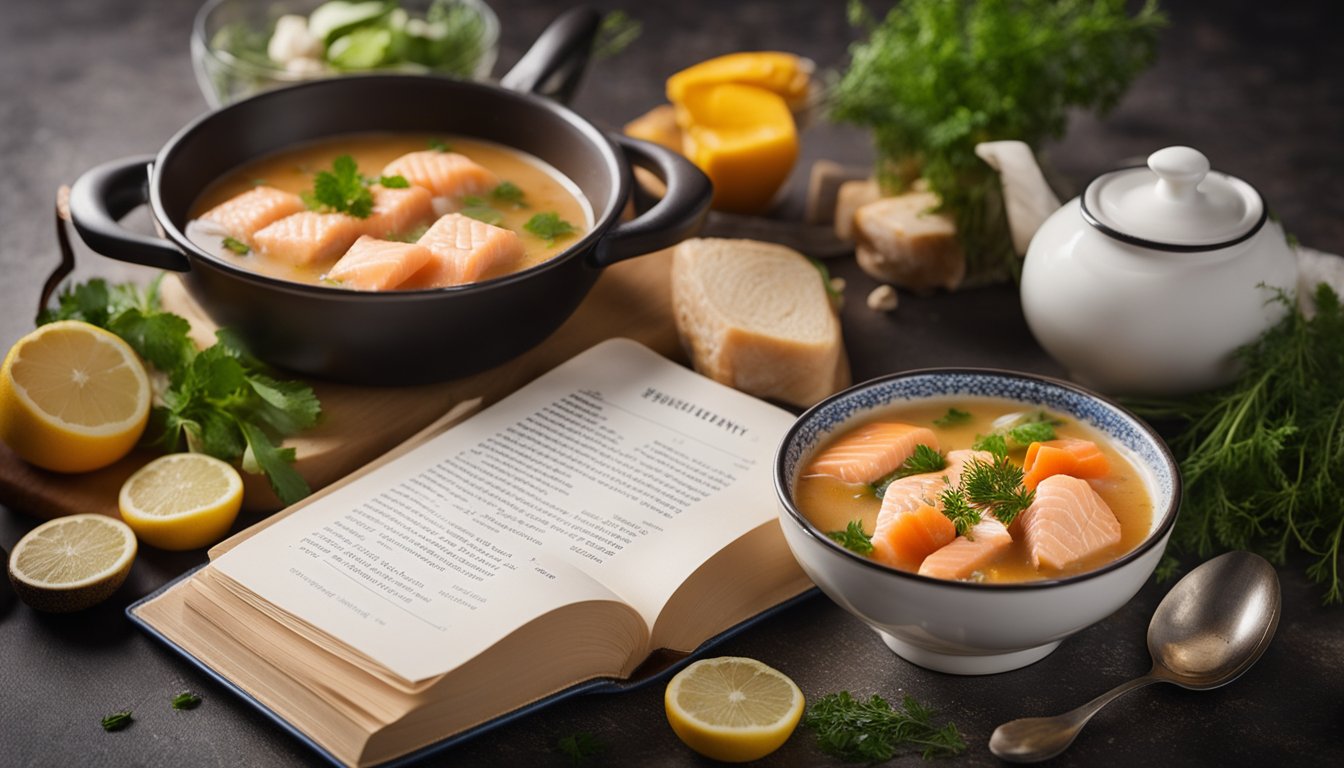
(977, 489)
(390, 212)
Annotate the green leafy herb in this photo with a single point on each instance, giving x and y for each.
(957, 508)
(186, 700)
(995, 443)
(509, 192)
(117, 720)
(853, 538)
(549, 226)
(616, 32)
(439, 145)
(922, 461)
(1017, 435)
(996, 487)
(341, 190)
(952, 418)
(1032, 432)
(936, 77)
(237, 246)
(1262, 459)
(580, 747)
(219, 400)
(483, 213)
(836, 297)
(873, 731)
(394, 182)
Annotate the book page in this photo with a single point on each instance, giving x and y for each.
(619, 472)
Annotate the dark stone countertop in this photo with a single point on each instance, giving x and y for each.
(1259, 87)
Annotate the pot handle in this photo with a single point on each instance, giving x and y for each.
(102, 196)
(555, 63)
(674, 218)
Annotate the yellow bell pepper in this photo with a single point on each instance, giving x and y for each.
(785, 74)
(742, 137)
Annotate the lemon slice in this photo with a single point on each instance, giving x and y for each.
(182, 501)
(71, 563)
(73, 397)
(733, 709)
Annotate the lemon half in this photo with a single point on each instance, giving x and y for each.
(733, 709)
(182, 501)
(73, 397)
(71, 563)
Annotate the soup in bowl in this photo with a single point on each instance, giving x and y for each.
(975, 518)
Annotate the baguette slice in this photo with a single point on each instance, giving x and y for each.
(755, 316)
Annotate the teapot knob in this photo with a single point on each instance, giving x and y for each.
(1179, 171)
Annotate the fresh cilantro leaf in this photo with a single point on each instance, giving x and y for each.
(284, 406)
(953, 417)
(580, 747)
(274, 462)
(159, 337)
(237, 246)
(117, 720)
(186, 700)
(994, 443)
(439, 145)
(509, 192)
(341, 190)
(483, 213)
(853, 538)
(1032, 432)
(549, 226)
(394, 182)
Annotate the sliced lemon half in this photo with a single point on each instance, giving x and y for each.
(733, 709)
(73, 397)
(182, 501)
(71, 563)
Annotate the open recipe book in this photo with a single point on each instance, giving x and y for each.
(616, 506)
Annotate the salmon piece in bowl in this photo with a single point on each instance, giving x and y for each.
(378, 265)
(444, 174)
(868, 453)
(243, 215)
(465, 250)
(308, 238)
(1067, 523)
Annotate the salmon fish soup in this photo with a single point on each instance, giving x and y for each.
(381, 212)
(976, 489)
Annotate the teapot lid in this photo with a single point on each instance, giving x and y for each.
(1174, 204)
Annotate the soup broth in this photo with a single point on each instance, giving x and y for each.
(831, 504)
(544, 190)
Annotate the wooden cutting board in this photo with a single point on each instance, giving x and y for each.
(359, 424)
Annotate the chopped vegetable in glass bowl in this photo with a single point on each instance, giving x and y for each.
(240, 47)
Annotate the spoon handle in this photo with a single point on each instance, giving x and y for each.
(1032, 739)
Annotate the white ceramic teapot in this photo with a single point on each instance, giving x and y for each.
(1149, 282)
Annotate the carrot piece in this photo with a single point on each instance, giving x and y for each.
(911, 536)
(1066, 456)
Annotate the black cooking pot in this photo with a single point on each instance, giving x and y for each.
(398, 337)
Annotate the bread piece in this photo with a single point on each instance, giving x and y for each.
(755, 316)
(903, 242)
(852, 196)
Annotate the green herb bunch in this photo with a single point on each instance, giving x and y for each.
(1262, 460)
(873, 731)
(220, 400)
(936, 77)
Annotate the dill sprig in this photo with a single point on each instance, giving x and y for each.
(958, 509)
(873, 731)
(853, 538)
(996, 487)
(1262, 459)
(923, 461)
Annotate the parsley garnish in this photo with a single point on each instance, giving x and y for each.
(923, 461)
(549, 226)
(953, 417)
(219, 400)
(853, 538)
(439, 145)
(509, 192)
(341, 190)
(394, 182)
(1026, 429)
(237, 246)
(186, 700)
(1261, 459)
(873, 731)
(580, 747)
(117, 720)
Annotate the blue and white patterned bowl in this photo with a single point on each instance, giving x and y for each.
(962, 627)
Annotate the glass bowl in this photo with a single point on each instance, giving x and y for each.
(229, 42)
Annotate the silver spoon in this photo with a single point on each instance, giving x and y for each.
(1209, 629)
